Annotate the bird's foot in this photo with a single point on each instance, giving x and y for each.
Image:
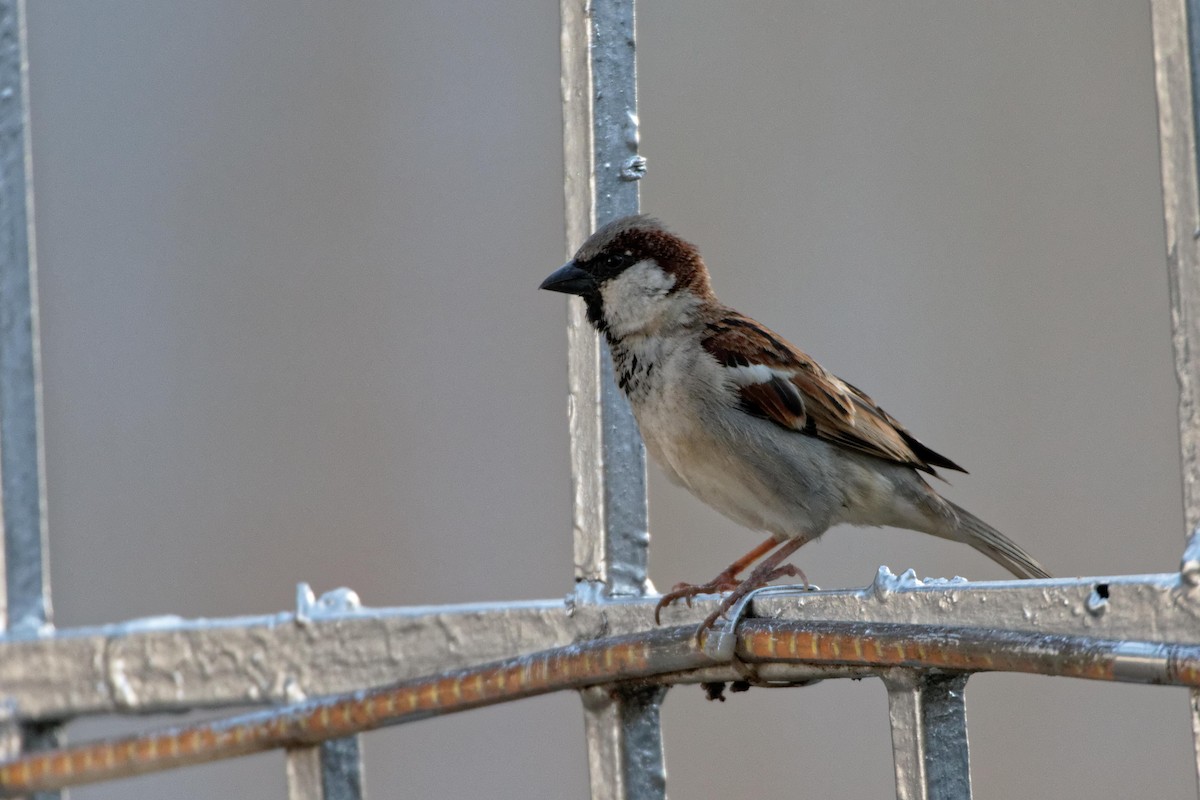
(724, 582)
(753, 582)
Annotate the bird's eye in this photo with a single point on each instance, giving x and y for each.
(613, 262)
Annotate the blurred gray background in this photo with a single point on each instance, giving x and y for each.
(288, 259)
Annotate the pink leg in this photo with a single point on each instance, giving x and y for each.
(763, 574)
(724, 582)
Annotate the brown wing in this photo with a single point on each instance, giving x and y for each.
(778, 382)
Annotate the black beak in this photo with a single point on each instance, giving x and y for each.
(569, 279)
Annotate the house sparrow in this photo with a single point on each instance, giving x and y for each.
(746, 421)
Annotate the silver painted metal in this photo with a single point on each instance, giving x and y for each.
(661, 656)
(10, 732)
(929, 735)
(608, 462)
(342, 769)
(22, 459)
(331, 770)
(302, 766)
(25, 599)
(626, 722)
(1189, 565)
(170, 664)
(1176, 30)
(1195, 712)
(1160, 608)
(1177, 142)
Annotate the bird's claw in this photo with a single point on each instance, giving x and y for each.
(688, 591)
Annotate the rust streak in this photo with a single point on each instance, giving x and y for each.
(78, 762)
(341, 715)
(60, 764)
(370, 710)
(874, 654)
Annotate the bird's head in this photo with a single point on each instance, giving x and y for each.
(636, 278)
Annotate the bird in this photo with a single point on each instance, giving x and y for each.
(750, 424)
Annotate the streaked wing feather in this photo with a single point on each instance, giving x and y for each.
(777, 400)
(802, 396)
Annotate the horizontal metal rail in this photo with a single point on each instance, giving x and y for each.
(1141, 629)
(334, 646)
(668, 654)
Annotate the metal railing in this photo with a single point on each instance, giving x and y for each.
(372, 667)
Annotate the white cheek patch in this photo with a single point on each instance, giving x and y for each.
(645, 278)
(634, 300)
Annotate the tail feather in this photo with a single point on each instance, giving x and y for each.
(995, 545)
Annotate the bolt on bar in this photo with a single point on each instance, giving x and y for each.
(26, 576)
(602, 167)
(1176, 27)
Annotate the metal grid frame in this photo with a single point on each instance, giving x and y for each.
(922, 639)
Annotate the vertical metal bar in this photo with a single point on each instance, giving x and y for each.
(329, 771)
(10, 732)
(600, 137)
(1177, 143)
(22, 467)
(929, 735)
(342, 769)
(303, 769)
(625, 742)
(602, 167)
(1176, 27)
(26, 575)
